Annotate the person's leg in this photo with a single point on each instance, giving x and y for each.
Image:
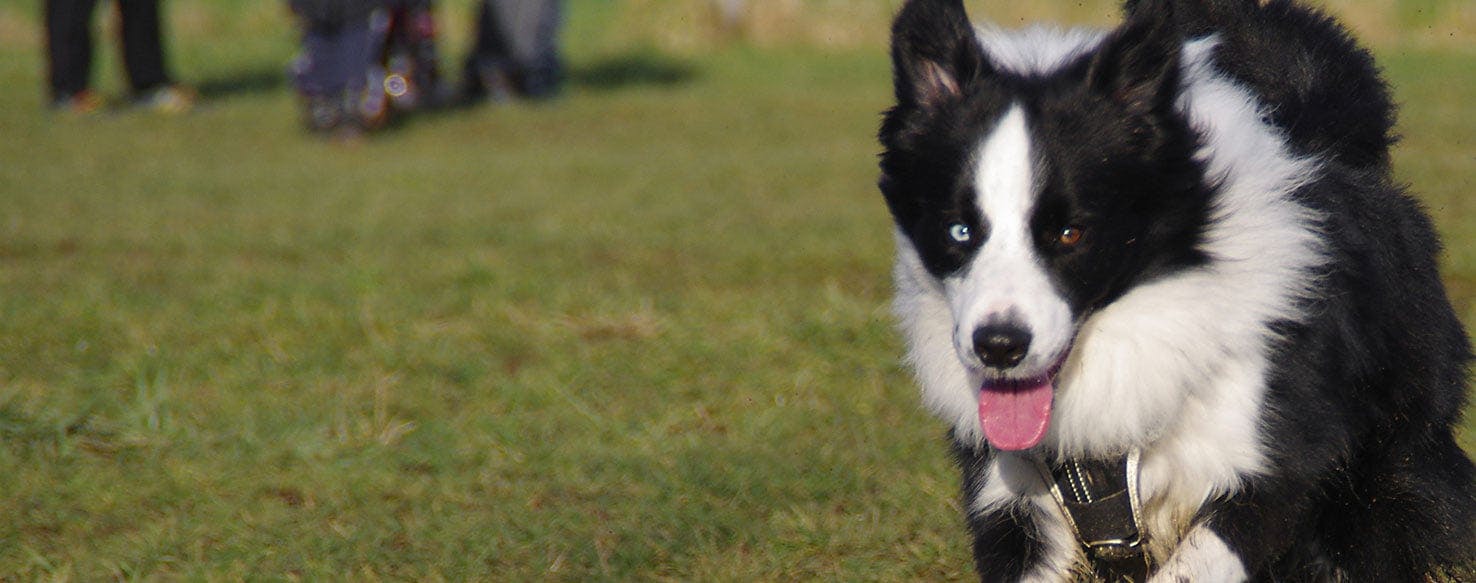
(489, 63)
(367, 61)
(531, 29)
(421, 45)
(332, 74)
(546, 70)
(69, 46)
(143, 49)
(308, 70)
(409, 61)
(335, 58)
(322, 109)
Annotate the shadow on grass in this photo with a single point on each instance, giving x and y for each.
(605, 75)
(631, 70)
(258, 80)
(608, 74)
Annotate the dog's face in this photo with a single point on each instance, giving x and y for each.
(1035, 193)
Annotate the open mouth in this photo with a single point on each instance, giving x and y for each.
(1015, 413)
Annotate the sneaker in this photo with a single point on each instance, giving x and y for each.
(338, 118)
(169, 99)
(321, 113)
(83, 102)
(486, 85)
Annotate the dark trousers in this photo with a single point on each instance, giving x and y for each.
(335, 59)
(517, 40)
(69, 45)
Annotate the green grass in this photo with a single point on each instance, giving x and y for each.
(638, 334)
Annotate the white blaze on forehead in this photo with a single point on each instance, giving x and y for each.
(1005, 179)
(1005, 281)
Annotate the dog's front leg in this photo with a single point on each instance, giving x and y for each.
(1202, 556)
(1234, 538)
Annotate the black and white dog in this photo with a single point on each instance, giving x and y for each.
(1182, 321)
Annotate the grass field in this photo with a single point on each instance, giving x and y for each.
(637, 334)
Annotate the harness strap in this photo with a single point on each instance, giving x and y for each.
(1100, 500)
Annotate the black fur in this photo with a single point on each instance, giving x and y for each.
(1325, 90)
(1366, 481)
(1006, 544)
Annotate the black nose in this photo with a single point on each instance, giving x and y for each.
(1001, 346)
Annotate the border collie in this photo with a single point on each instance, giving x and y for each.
(1161, 284)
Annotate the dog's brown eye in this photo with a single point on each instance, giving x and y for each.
(1070, 236)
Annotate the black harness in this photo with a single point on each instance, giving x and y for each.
(1100, 501)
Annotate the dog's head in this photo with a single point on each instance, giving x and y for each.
(1034, 177)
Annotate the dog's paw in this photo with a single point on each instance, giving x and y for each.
(1202, 557)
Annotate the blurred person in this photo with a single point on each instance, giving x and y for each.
(363, 59)
(331, 72)
(516, 52)
(69, 57)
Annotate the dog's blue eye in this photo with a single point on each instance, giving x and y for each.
(960, 233)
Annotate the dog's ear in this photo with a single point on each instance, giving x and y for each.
(1138, 65)
(935, 53)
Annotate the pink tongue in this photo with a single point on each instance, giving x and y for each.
(1015, 417)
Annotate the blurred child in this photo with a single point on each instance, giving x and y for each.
(363, 59)
(332, 71)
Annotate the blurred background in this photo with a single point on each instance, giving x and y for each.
(635, 332)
